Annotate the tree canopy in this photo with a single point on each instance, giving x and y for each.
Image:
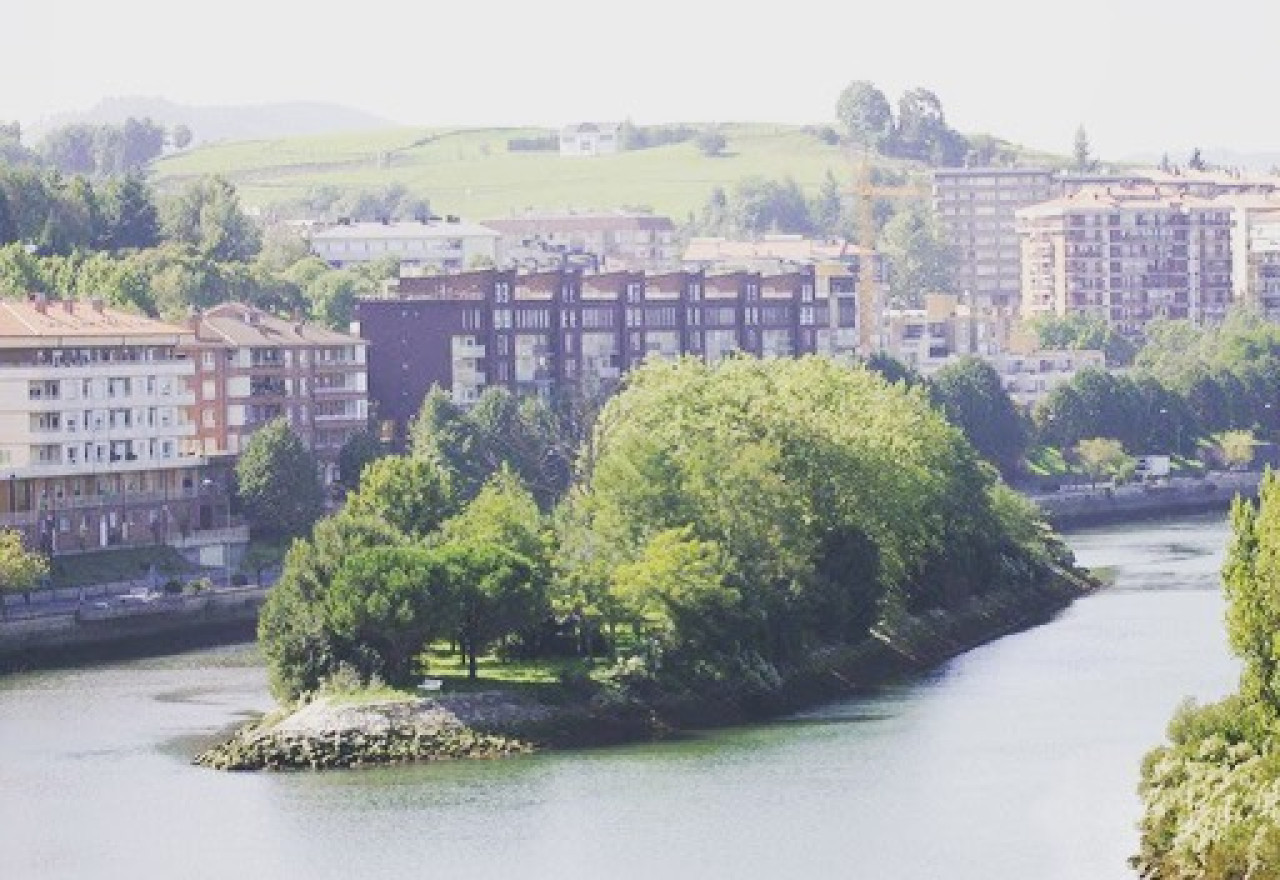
(278, 482)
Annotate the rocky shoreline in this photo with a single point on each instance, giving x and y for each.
(330, 733)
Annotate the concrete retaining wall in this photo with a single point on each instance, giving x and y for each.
(1179, 496)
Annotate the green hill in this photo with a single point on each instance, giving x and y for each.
(470, 172)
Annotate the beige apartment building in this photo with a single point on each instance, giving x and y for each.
(252, 367)
(1129, 255)
(928, 338)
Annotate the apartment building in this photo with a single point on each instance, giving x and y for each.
(542, 332)
(97, 446)
(252, 367)
(605, 240)
(976, 209)
(1128, 255)
(1028, 376)
(946, 328)
(441, 244)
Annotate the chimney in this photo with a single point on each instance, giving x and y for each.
(41, 302)
(193, 321)
(98, 304)
(69, 306)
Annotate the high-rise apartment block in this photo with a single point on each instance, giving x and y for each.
(976, 208)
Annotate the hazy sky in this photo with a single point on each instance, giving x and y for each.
(1141, 76)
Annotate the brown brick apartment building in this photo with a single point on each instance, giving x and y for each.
(545, 331)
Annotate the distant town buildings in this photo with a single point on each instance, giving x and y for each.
(613, 240)
(1127, 246)
(590, 139)
(442, 244)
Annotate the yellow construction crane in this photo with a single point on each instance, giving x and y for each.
(870, 302)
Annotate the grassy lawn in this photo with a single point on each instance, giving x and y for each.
(121, 564)
(471, 173)
(541, 677)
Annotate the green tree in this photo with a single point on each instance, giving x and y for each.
(1249, 576)
(1103, 456)
(921, 261)
(1235, 448)
(676, 588)
(496, 593)
(20, 569)
(504, 514)
(865, 115)
(132, 219)
(711, 141)
(410, 493)
(361, 448)
(181, 136)
(972, 396)
(277, 482)
(207, 216)
(391, 602)
(1083, 160)
(297, 641)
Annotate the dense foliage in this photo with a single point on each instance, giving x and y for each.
(278, 482)
(746, 517)
(973, 398)
(731, 518)
(1212, 794)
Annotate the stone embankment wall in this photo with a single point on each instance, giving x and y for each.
(114, 628)
(1086, 507)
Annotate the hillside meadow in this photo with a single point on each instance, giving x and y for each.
(470, 172)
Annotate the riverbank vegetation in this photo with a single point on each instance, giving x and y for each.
(723, 526)
(1212, 795)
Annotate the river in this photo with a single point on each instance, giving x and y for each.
(1016, 760)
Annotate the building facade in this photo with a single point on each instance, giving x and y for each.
(1127, 255)
(976, 208)
(251, 367)
(97, 444)
(614, 240)
(444, 245)
(544, 332)
(590, 139)
(929, 338)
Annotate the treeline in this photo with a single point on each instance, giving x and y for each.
(721, 523)
(1210, 795)
(93, 149)
(114, 238)
(918, 130)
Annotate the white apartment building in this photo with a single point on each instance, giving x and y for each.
(443, 245)
(97, 447)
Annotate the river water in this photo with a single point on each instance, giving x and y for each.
(1017, 760)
